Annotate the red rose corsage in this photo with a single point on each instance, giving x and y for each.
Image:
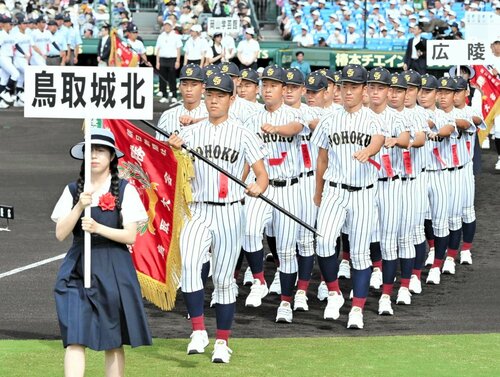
(107, 202)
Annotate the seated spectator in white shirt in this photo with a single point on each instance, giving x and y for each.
(305, 39)
(186, 16)
(248, 50)
(195, 48)
(337, 37)
(351, 36)
(393, 12)
(401, 33)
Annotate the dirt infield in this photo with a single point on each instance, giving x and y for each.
(35, 166)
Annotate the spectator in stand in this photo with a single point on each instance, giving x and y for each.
(401, 33)
(186, 16)
(296, 25)
(248, 50)
(371, 31)
(311, 21)
(393, 12)
(352, 37)
(229, 47)
(455, 33)
(384, 33)
(337, 38)
(217, 53)
(305, 39)
(195, 47)
(168, 60)
(300, 64)
(322, 42)
(103, 46)
(330, 25)
(415, 52)
(122, 30)
(319, 32)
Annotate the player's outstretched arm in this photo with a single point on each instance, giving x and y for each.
(419, 140)
(402, 141)
(446, 131)
(371, 150)
(262, 181)
(463, 124)
(286, 130)
(321, 166)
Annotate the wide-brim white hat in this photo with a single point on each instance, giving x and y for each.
(98, 136)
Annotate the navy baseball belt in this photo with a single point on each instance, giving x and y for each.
(456, 168)
(307, 174)
(408, 178)
(283, 182)
(221, 204)
(386, 179)
(349, 188)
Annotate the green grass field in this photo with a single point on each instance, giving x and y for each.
(438, 355)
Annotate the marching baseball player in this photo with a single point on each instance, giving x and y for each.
(469, 214)
(332, 91)
(410, 188)
(279, 126)
(295, 88)
(418, 119)
(439, 160)
(460, 156)
(228, 144)
(41, 41)
(22, 55)
(192, 109)
(8, 72)
(345, 182)
(389, 198)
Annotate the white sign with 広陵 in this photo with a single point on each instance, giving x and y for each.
(88, 92)
(460, 52)
(224, 25)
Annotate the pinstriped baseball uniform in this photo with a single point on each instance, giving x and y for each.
(342, 134)
(7, 68)
(169, 120)
(243, 109)
(282, 163)
(42, 40)
(307, 183)
(216, 227)
(389, 192)
(439, 161)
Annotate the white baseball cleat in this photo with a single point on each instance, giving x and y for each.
(404, 297)
(7, 97)
(285, 312)
(322, 291)
(449, 266)
(335, 302)
(344, 270)
(199, 340)
(212, 300)
(20, 96)
(159, 94)
(257, 293)
(163, 100)
(3, 104)
(221, 353)
(376, 278)
(415, 285)
(275, 286)
(300, 301)
(351, 294)
(18, 103)
(355, 318)
(248, 277)
(236, 289)
(430, 257)
(434, 276)
(465, 257)
(385, 305)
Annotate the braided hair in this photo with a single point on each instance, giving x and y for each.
(114, 187)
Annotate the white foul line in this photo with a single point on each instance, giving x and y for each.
(30, 266)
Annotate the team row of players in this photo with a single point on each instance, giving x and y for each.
(362, 158)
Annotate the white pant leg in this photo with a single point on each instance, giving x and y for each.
(439, 197)
(227, 229)
(456, 193)
(408, 218)
(390, 217)
(308, 213)
(8, 66)
(195, 242)
(20, 63)
(258, 215)
(468, 212)
(37, 60)
(421, 199)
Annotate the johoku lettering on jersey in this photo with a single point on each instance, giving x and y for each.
(169, 120)
(394, 125)
(342, 134)
(283, 159)
(229, 145)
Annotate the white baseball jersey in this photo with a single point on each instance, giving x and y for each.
(470, 137)
(394, 125)
(283, 159)
(416, 118)
(242, 109)
(439, 151)
(333, 107)
(464, 145)
(169, 120)
(24, 41)
(41, 39)
(7, 42)
(342, 134)
(229, 145)
(309, 151)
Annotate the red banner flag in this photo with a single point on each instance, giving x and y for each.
(490, 88)
(121, 55)
(161, 176)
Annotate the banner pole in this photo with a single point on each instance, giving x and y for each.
(87, 213)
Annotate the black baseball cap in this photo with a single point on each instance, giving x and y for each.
(461, 83)
(192, 72)
(328, 73)
(294, 76)
(274, 72)
(59, 16)
(429, 82)
(220, 81)
(52, 23)
(40, 19)
(398, 81)
(230, 68)
(354, 73)
(249, 74)
(210, 70)
(337, 75)
(67, 19)
(447, 83)
(379, 75)
(412, 78)
(132, 28)
(315, 82)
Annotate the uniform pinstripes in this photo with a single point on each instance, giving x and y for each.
(169, 120)
(336, 205)
(260, 214)
(456, 193)
(439, 198)
(229, 145)
(389, 203)
(215, 228)
(417, 119)
(464, 156)
(409, 192)
(242, 109)
(468, 184)
(421, 198)
(342, 134)
(440, 119)
(469, 136)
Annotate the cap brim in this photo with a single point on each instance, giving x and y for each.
(77, 150)
(378, 82)
(192, 79)
(272, 79)
(256, 82)
(314, 89)
(218, 89)
(352, 81)
(399, 86)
